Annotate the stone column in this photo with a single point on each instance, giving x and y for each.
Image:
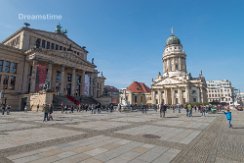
(187, 94)
(73, 86)
(173, 96)
(201, 94)
(82, 83)
(62, 89)
(26, 77)
(180, 96)
(168, 65)
(33, 76)
(185, 65)
(131, 98)
(166, 96)
(159, 96)
(153, 97)
(179, 64)
(49, 75)
(173, 65)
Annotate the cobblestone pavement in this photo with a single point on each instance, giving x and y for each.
(121, 137)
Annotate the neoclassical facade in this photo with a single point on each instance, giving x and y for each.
(220, 91)
(176, 86)
(32, 60)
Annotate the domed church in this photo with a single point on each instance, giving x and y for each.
(176, 85)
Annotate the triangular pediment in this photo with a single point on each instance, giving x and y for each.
(55, 36)
(166, 81)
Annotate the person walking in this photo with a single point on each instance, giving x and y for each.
(203, 110)
(3, 109)
(50, 117)
(161, 110)
(46, 111)
(228, 116)
(37, 107)
(8, 109)
(189, 110)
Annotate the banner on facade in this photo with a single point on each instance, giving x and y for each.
(41, 76)
(87, 85)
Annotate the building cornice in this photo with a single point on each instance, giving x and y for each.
(35, 31)
(12, 49)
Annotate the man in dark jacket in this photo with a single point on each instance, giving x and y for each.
(46, 111)
(163, 109)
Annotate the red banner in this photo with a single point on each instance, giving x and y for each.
(41, 76)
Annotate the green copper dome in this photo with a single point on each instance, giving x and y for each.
(172, 40)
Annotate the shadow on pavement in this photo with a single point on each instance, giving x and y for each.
(172, 117)
(239, 127)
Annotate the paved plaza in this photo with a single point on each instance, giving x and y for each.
(121, 137)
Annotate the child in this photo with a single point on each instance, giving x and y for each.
(228, 117)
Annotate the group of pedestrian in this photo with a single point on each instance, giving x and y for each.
(163, 108)
(5, 108)
(189, 108)
(48, 110)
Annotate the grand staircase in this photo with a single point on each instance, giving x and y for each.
(71, 100)
(58, 100)
(86, 100)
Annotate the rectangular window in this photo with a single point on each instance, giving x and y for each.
(56, 47)
(69, 77)
(6, 66)
(176, 67)
(1, 65)
(12, 82)
(64, 48)
(43, 43)
(194, 100)
(52, 46)
(0, 78)
(135, 99)
(58, 76)
(48, 45)
(60, 48)
(5, 82)
(13, 68)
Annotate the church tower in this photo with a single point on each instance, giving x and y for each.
(174, 58)
(176, 86)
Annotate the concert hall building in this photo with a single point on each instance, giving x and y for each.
(33, 60)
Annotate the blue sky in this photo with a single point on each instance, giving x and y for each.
(127, 37)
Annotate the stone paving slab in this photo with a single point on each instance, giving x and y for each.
(98, 125)
(121, 137)
(14, 126)
(2, 121)
(133, 119)
(28, 136)
(93, 149)
(184, 124)
(165, 133)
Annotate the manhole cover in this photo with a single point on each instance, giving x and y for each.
(151, 136)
